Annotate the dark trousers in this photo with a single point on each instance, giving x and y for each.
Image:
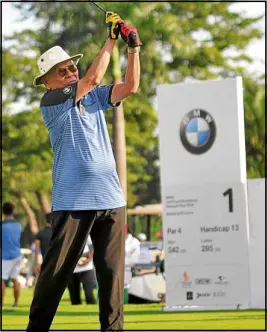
(87, 279)
(70, 232)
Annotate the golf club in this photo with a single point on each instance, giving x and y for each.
(103, 10)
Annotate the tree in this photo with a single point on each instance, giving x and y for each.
(172, 52)
(118, 132)
(31, 215)
(254, 105)
(26, 162)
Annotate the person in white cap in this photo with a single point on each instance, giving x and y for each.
(142, 237)
(145, 254)
(86, 197)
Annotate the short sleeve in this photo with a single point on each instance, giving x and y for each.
(103, 95)
(56, 104)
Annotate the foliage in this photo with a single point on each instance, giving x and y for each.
(254, 105)
(27, 156)
(181, 40)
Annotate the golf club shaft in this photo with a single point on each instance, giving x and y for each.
(103, 10)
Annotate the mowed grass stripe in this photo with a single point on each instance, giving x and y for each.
(137, 317)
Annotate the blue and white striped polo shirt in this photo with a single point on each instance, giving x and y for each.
(84, 171)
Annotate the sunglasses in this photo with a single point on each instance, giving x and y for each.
(62, 72)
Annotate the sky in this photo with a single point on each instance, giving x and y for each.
(256, 49)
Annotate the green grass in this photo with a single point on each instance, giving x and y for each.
(137, 317)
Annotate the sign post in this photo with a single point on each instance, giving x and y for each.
(203, 181)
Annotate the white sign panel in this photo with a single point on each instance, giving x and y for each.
(257, 219)
(205, 245)
(203, 181)
(197, 117)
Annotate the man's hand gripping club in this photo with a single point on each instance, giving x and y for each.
(113, 22)
(116, 25)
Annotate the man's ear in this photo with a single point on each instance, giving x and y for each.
(44, 80)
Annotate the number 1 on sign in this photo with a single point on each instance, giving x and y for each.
(231, 203)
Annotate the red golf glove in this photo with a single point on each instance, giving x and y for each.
(130, 35)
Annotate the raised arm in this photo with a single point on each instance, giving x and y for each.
(96, 71)
(99, 67)
(132, 78)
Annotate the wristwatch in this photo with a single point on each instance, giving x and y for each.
(132, 50)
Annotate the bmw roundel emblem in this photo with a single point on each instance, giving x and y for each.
(197, 131)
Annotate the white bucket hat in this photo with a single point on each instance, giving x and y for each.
(49, 59)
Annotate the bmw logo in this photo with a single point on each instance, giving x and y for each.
(197, 131)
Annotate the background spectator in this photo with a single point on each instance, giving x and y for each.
(42, 240)
(84, 274)
(145, 254)
(11, 253)
(132, 254)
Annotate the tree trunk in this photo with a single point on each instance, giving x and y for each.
(118, 135)
(44, 202)
(31, 215)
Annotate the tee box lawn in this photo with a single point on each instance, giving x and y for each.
(139, 317)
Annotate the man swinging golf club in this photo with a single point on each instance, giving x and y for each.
(86, 196)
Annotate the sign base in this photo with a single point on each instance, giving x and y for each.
(204, 308)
